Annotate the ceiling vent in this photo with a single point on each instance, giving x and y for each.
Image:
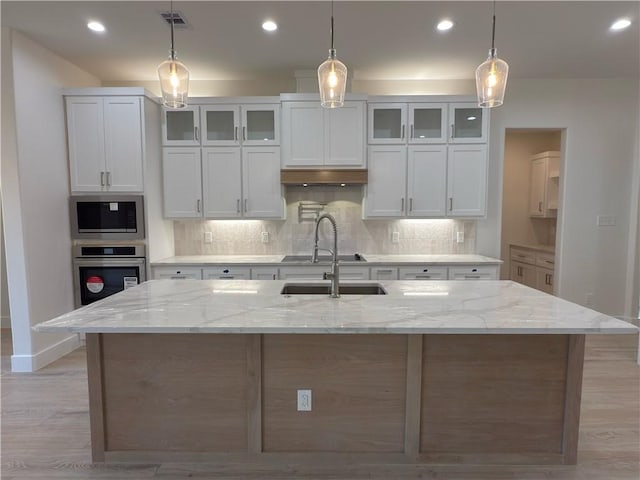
(179, 22)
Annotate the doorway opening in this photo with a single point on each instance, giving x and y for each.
(530, 206)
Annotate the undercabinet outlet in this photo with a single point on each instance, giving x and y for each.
(208, 237)
(264, 236)
(395, 237)
(460, 237)
(588, 299)
(304, 400)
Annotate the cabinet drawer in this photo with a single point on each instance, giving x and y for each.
(264, 273)
(311, 272)
(522, 255)
(230, 273)
(423, 273)
(384, 273)
(546, 260)
(177, 272)
(487, 272)
(350, 272)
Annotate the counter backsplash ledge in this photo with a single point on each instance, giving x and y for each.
(244, 237)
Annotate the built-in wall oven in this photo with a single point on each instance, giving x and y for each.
(102, 270)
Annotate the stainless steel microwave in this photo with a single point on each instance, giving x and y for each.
(107, 217)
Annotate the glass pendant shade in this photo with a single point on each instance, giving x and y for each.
(491, 80)
(332, 80)
(174, 82)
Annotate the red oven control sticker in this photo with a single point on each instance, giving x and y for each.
(95, 284)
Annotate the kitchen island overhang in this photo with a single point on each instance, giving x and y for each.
(432, 372)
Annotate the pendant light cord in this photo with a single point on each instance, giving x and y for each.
(493, 29)
(331, 24)
(173, 52)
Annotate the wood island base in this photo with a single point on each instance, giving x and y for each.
(376, 398)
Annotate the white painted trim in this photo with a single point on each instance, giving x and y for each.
(31, 363)
(5, 321)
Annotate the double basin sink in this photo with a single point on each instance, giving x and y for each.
(325, 289)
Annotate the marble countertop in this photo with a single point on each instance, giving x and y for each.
(371, 259)
(539, 247)
(410, 307)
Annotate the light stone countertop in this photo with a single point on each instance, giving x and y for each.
(538, 247)
(410, 307)
(371, 259)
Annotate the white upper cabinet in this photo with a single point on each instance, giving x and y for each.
(262, 190)
(222, 182)
(544, 185)
(182, 182)
(181, 127)
(466, 180)
(414, 123)
(468, 123)
(426, 180)
(222, 124)
(386, 191)
(105, 138)
(314, 137)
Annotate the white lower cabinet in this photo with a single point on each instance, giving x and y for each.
(352, 272)
(544, 280)
(264, 273)
(532, 268)
(524, 274)
(226, 273)
(384, 273)
(472, 272)
(423, 273)
(177, 272)
(304, 272)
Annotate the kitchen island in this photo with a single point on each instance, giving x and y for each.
(431, 372)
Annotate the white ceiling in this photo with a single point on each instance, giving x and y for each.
(376, 40)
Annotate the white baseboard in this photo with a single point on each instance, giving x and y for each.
(5, 321)
(31, 363)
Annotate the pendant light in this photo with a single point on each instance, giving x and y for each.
(491, 75)
(174, 78)
(332, 77)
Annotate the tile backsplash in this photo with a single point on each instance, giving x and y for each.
(295, 235)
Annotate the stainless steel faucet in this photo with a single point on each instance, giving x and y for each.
(334, 275)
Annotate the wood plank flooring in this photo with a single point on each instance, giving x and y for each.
(45, 430)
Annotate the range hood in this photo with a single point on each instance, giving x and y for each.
(323, 176)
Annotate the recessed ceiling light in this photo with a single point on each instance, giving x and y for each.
(96, 26)
(269, 26)
(620, 24)
(444, 25)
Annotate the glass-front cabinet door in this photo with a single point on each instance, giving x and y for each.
(181, 127)
(260, 124)
(468, 123)
(220, 125)
(427, 123)
(387, 123)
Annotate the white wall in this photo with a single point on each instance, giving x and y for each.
(5, 318)
(601, 119)
(35, 196)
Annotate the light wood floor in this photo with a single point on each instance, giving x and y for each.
(45, 429)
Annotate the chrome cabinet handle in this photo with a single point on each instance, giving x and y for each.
(244, 133)
(196, 133)
(539, 206)
(385, 271)
(450, 204)
(238, 206)
(235, 135)
(108, 179)
(178, 277)
(472, 276)
(402, 204)
(423, 276)
(452, 130)
(402, 134)
(412, 136)
(102, 179)
(198, 205)
(411, 204)
(245, 205)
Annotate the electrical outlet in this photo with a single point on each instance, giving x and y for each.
(460, 237)
(588, 299)
(265, 237)
(395, 237)
(208, 237)
(304, 400)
